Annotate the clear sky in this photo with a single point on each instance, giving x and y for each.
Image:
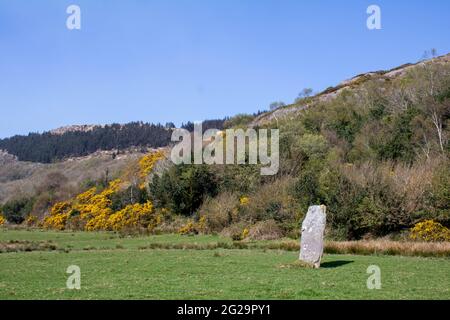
(180, 60)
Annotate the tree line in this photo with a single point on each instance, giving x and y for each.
(48, 147)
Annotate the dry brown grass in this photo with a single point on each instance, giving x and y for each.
(387, 247)
(375, 247)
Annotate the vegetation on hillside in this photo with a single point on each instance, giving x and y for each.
(377, 155)
(49, 147)
(117, 205)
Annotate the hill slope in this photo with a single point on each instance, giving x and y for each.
(20, 178)
(356, 82)
(375, 150)
(76, 141)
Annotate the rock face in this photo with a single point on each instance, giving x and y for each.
(313, 227)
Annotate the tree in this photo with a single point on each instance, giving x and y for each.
(429, 53)
(433, 97)
(277, 104)
(305, 93)
(183, 188)
(169, 125)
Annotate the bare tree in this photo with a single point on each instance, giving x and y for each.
(305, 93)
(431, 85)
(277, 104)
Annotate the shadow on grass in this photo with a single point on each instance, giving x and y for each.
(335, 264)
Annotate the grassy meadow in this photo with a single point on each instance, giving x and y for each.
(194, 267)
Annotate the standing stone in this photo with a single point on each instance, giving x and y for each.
(313, 227)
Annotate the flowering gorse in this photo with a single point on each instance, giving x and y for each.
(243, 201)
(194, 227)
(93, 210)
(31, 220)
(245, 233)
(429, 231)
(147, 163)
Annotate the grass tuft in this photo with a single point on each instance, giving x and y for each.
(298, 264)
(26, 246)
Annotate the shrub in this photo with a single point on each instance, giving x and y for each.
(241, 179)
(306, 187)
(194, 227)
(440, 193)
(398, 144)
(368, 198)
(15, 211)
(2, 220)
(265, 230)
(245, 233)
(429, 231)
(97, 212)
(183, 188)
(238, 121)
(220, 211)
(243, 201)
(201, 225)
(272, 201)
(31, 220)
(131, 195)
(134, 216)
(189, 228)
(109, 208)
(59, 214)
(147, 163)
(235, 231)
(313, 146)
(170, 223)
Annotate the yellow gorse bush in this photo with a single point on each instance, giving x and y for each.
(31, 220)
(244, 201)
(147, 162)
(93, 209)
(2, 220)
(188, 228)
(201, 225)
(133, 216)
(58, 216)
(429, 231)
(96, 213)
(245, 233)
(194, 227)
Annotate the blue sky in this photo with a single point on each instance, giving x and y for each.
(180, 60)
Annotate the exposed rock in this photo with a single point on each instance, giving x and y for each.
(74, 128)
(6, 158)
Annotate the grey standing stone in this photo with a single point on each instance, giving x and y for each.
(311, 243)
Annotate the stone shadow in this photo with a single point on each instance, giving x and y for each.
(335, 264)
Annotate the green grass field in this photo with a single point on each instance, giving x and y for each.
(119, 268)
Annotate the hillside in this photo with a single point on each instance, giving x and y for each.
(76, 141)
(352, 84)
(81, 140)
(374, 150)
(20, 178)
